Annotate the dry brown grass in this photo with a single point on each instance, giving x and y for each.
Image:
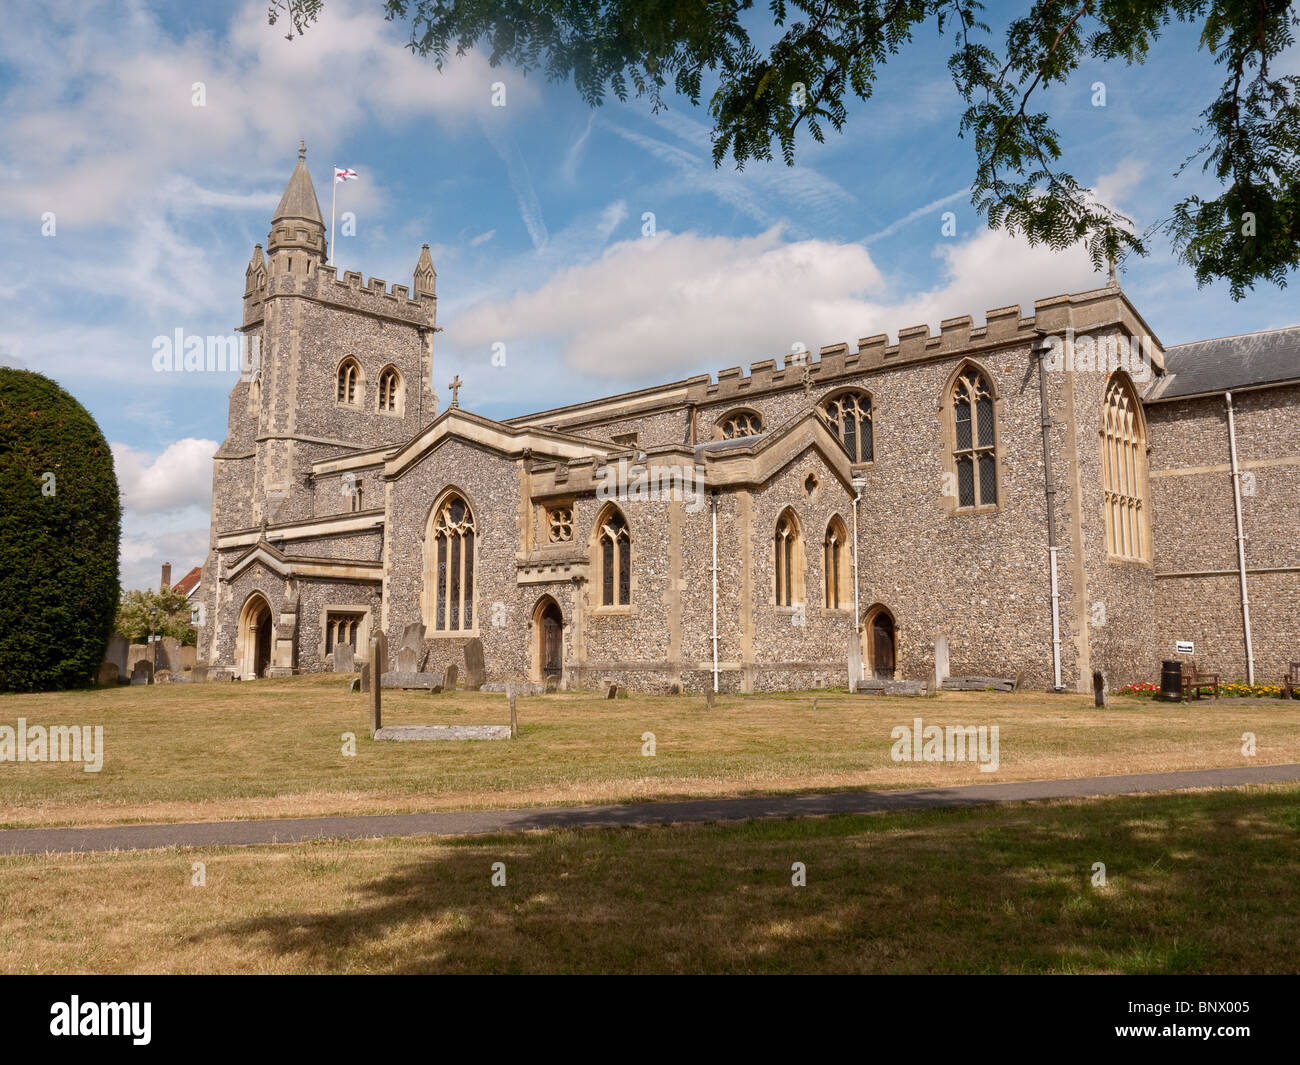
(274, 748)
(1196, 882)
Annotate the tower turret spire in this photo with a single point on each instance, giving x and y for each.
(297, 229)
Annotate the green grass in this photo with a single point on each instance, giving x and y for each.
(275, 748)
(1196, 882)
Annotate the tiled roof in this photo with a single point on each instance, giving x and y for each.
(1229, 362)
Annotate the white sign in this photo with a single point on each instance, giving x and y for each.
(1185, 647)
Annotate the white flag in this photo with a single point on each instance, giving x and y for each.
(344, 175)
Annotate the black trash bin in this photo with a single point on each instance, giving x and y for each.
(1171, 680)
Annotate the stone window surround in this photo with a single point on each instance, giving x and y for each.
(949, 426)
(360, 401)
(363, 628)
(595, 554)
(798, 592)
(398, 409)
(857, 389)
(734, 414)
(1143, 486)
(428, 589)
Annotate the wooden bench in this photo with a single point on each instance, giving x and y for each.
(1196, 683)
(1291, 682)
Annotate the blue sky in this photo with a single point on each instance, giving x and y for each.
(535, 213)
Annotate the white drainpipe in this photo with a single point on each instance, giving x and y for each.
(1241, 540)
(714, 499)
(857, 610)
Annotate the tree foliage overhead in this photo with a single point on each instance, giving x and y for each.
(60, 522)
(162, 612)
(829, 51)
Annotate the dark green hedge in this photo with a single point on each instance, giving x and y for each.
(58, 553)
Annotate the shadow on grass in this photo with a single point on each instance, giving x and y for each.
(1194, 883)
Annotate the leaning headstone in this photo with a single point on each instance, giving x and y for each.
(408, 660)
(107, 674)
(475, 670)
(142, 673)
(413, 636)
(612, 692)
(163, 676)
(344, 661)
(449, 677)
(942, 667)
(378, 658)
(1100, 692)
(119, 647)
(552, 683)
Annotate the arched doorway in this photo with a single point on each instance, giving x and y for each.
(880, 643)
(548, 640)
(255, 638)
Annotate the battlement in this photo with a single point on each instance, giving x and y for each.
(1003, 327)
(323, 283)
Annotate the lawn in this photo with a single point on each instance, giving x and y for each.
(1195, 882)
(276, 749)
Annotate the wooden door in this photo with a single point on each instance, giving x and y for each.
(552, 643)
(882, 647)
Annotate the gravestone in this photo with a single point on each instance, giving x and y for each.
(514, 721)
(413, 636)
(169, 654)
(163, 676)
(942, 668)
(344, 661)
(378, 658)
(709, 696)
(1100, 691)
(364, 680)
(142, 673)
(552, 682)
(855, 661)
(116, 652)
(408, 660)
(475, 670)
(450, 677)
(199, 674)
(612, 692)
(189, 656)
(355, 686)
(107, 674)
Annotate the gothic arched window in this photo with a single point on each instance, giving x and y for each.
(453, 562)
(1123, 466)
(614, 549)
(836, 565)
(974, 440)
(740, 423)
(788, 560)
(390, 390)
(849, 415)
(349, 382)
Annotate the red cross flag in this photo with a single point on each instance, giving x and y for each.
(344, 175)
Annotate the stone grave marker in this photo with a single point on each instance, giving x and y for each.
(449, 677)
(475, 669)
(364, 680)
(514, 720)
(116, 652)
(199, 674)
(408, 660)
(163, 676)
(612, 692)
(142, 673)
(942, 667)
(552, 683)
(378, 659)
(1100, 690)
(344, 658)
(709, 696)
(107, 674)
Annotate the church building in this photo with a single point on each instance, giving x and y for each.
(1048, 494)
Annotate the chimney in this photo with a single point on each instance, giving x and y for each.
(166, 576)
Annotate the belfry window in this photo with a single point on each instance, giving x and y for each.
(349, 383)
(390, 384)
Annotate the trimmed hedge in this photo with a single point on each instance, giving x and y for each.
(58, 537)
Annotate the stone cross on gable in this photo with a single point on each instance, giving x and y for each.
(455, 384)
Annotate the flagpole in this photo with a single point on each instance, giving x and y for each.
(334, 195)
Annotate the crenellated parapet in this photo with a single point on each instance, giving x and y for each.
(1004, 327)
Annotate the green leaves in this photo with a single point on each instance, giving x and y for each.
(831, 51)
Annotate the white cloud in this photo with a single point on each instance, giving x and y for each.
(178, 478)
(651, 309)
